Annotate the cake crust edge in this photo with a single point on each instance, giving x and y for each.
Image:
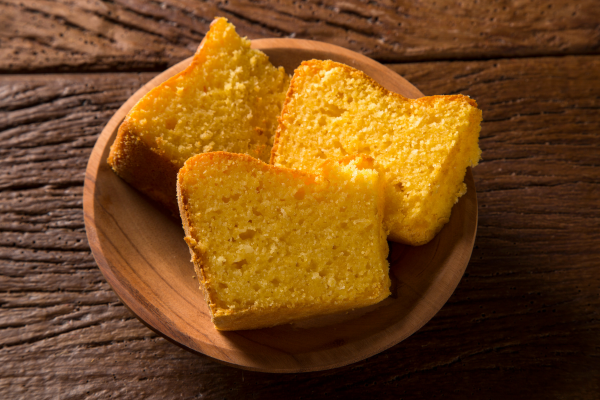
(144, 168)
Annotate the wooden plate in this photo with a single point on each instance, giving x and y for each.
(141, 252)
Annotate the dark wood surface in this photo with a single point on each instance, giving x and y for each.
(523, 323)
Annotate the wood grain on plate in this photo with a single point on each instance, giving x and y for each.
(142, 255)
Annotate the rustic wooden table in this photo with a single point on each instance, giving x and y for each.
(523, 323)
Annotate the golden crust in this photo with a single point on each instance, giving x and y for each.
(144, 168)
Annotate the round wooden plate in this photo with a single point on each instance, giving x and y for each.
(141, 252)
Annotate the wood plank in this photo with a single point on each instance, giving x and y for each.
(135, 35)
(523, 323)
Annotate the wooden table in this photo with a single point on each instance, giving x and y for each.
(523, 323)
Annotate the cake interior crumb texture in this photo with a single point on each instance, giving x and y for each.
(228, 99)
(272, 245)
(421, 147)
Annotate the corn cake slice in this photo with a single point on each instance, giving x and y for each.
(228, 99)
(272, 245)
(421, 147)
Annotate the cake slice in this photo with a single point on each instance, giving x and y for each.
(421, 148)
(272, 245)
(228, 99)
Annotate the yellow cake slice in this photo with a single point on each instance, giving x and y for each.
(228, 99)
(421, 147)
(272, 245)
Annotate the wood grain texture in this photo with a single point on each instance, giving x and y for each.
(134, 35)
(523, 323)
